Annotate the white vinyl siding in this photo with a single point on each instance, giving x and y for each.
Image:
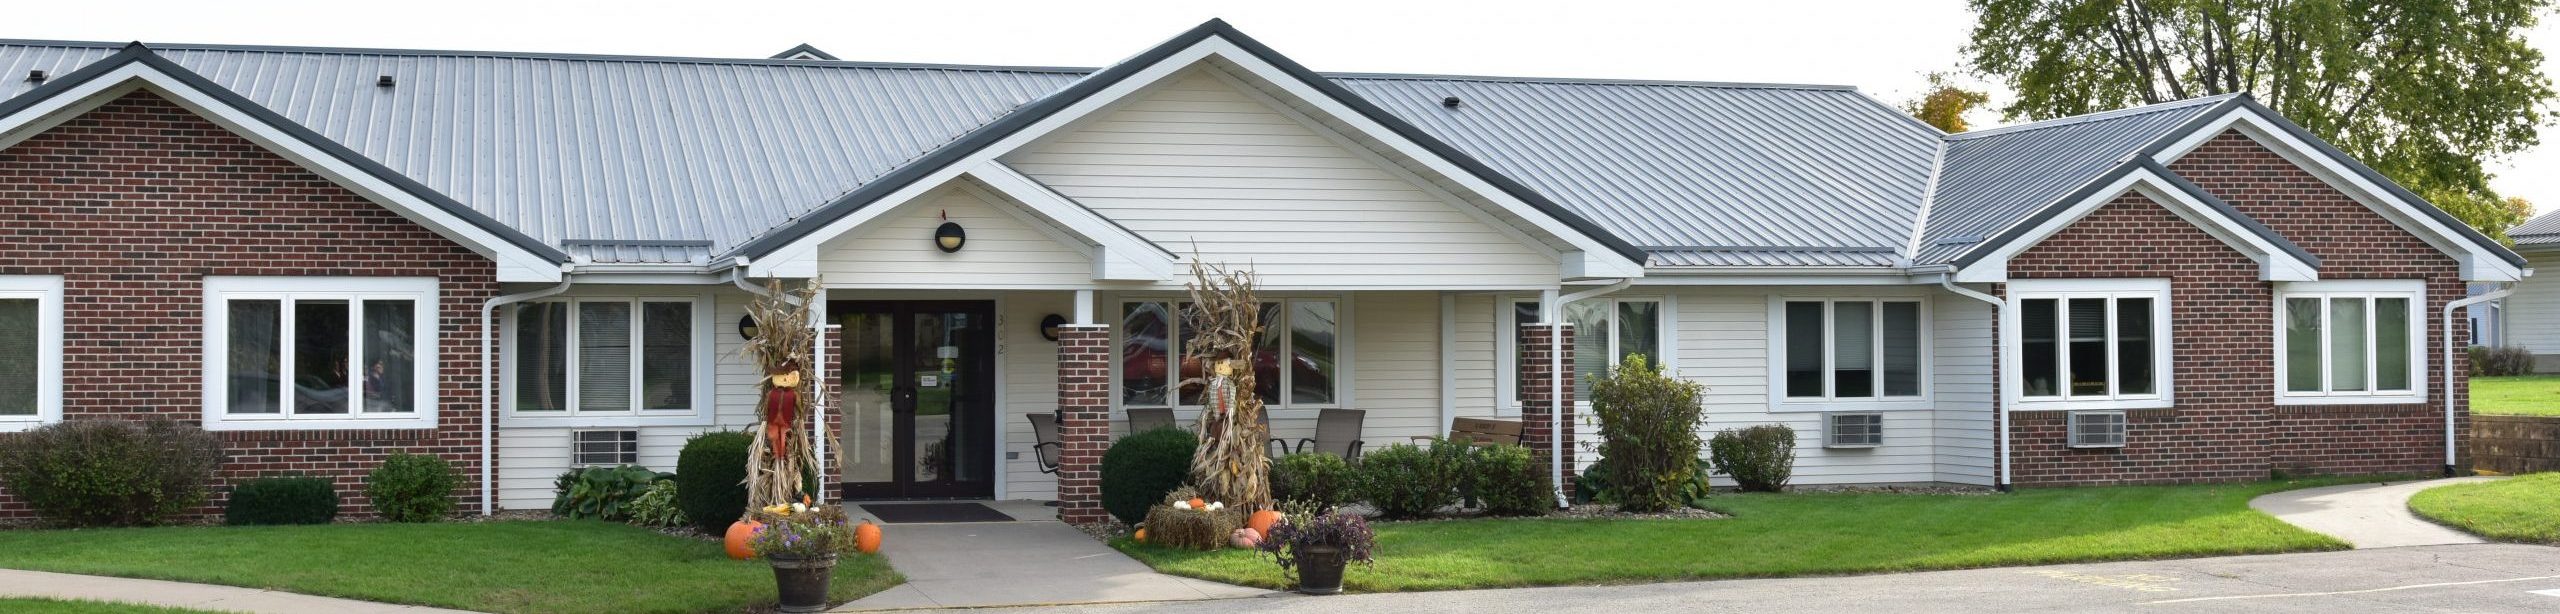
(1004, 249)
(1197, 164)
(2530, 317)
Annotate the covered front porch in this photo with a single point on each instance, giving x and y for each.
(936, 389)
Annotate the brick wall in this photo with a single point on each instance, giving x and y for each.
(1084, 420)
(1537, 358)
(135, 202)
(2226, 425)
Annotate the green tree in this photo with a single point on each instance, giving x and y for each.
(2422, 90)
(1945, 104)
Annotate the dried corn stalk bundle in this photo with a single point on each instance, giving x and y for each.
(1224, 318)
(780, 459)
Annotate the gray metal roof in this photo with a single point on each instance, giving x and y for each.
(1993, 178)
(2541, 230)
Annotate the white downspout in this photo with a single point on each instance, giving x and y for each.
(1553, 311)
(2449, 442)
(488, 393)
(2002, 390)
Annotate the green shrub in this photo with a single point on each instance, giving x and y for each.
(1139, 469)
(1648, 433)
(110, 472)
(294, 500)
(656, 507)
(413, 488)
(1405, 481)
(1509, 481)
(1458, 458)
(711, 479)
(601, 493)
(1592, 484)
(1760, 458)
(2502, 360)
(1314, 477)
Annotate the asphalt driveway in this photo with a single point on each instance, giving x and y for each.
(2460, 578)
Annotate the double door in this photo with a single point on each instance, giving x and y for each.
(919, 398)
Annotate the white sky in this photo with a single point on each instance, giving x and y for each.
(1883, 47)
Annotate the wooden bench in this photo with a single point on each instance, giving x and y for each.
(1483, 431)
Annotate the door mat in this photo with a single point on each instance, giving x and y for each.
(934, 512)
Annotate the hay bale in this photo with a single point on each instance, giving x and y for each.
(1192, 529)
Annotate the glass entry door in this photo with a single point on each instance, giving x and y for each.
(919, 398)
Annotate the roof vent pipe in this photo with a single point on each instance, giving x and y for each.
(1451, 102)
(35, 76)
(384, 81)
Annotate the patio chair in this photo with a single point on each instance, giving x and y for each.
(1337, 433)
(1143, 419)
(1050, 447)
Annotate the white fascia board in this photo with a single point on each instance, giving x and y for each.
(1596, 259)
(513, 263)
(2274, 263)
(2477, 264)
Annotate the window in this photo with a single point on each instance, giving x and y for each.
(30, 351)
(600, 356)
(1829, 351)
(2096, 429)
(2088, 344)
(1605, 332)
(1852, 430)
(2350, 341)
(1298, 333)
(605, 448)
(319, 352)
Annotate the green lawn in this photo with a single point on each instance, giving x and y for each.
(1801, 534)
(553, 566)
(2519, 509)
(57, 606)
(2516, 395)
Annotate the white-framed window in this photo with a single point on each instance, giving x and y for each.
(1606, 330)
(30, 351)
(609, 360)
(2351, 341)
(1852, 430)
(306, 353)
(604, 448)
(1302, 333)
(1830, 353)
(2087, 344)
(2095, 429)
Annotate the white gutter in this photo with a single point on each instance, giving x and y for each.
(1553, 311)
(2449, 441)
(488, 393)
(2002, 407)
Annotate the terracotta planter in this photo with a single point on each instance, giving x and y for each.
(802, 581)
(1319, 569)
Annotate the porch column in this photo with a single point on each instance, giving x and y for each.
(1538, 368)
(1084, 419)
(831, 414)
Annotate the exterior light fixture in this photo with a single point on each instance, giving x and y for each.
(1049, 326)
(949, 237)
(747, 328)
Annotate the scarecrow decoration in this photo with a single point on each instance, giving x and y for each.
(779, 461)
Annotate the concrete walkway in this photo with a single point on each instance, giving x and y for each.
(2472, 578)
(2365, 515)
(985, 564)
(15, 583)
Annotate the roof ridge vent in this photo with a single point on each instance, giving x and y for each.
(805, 51)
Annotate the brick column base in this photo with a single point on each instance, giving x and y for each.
(1537, 368)
(830, 351)
(1084, 420)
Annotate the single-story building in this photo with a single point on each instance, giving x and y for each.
(2528, 314)
(532, 262)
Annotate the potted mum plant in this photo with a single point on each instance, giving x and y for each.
(1318, 546)
(802, 543)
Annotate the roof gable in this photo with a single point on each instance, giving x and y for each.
(1992, 179)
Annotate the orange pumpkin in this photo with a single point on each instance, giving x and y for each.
(1199, 505)
(1261, 521)
(867, 538)
(736, 540)
(1141, 536)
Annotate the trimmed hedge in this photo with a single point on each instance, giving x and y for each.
(87, 473)
(1139, 469)
(711, 479)
(1760, 458)
(1314, 477)
(289, 500)
(1510, 482)
(413, 488)
(1405, 481)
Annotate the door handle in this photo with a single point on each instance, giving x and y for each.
(902, 399)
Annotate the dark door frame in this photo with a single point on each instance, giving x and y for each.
(975, 395)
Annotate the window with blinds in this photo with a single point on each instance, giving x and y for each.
(590, 356)
(1852, 349)
(2090, 341)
